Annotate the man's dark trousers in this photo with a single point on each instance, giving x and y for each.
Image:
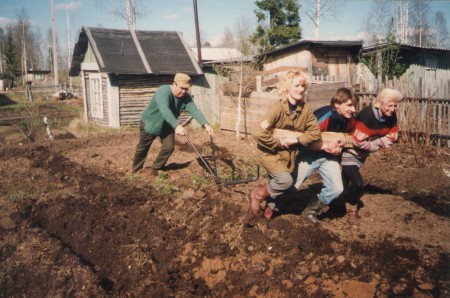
(145, 141)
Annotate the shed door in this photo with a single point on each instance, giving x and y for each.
(95, 81)
(337, 68)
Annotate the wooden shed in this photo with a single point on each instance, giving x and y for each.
(121, 69)
(324, 60)
(427, 72)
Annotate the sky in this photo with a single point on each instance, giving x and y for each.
(214, 16)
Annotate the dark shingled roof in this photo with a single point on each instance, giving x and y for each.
(135, 52)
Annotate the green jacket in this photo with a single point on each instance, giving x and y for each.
(273, 158)
(160, 117)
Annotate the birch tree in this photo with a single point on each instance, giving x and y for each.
(318, 10)
(241, 74)
(23, 25)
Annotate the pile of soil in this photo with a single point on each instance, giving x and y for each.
(75, 222)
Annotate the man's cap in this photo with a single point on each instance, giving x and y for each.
(183, 80)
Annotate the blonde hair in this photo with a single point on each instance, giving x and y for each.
(286, 81)
(387, 95)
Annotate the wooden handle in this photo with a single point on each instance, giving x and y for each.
(326, 136)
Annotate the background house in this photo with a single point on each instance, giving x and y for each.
(427, 72)
(121, 69)
(322, 60)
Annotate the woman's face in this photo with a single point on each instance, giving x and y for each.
(388, 108)
(297, 89)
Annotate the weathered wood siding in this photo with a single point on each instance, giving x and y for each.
(418, 81)
(135, 92)
(294, 59)
(338, 65)
(205, 91)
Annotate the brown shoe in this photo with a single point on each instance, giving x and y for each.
(153, 173)
(353, 216)
(256, 197)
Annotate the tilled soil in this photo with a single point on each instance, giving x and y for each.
(75, 222)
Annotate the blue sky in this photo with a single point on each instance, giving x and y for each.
(178, 15)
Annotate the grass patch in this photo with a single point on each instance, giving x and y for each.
(161, 186)
(198, 181)
(20, 196)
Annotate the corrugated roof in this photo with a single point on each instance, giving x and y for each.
(135, 52)
(407, 47)
(318, 44)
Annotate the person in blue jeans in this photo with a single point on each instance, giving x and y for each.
(336, 117)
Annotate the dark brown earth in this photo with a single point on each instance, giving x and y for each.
(74, 222)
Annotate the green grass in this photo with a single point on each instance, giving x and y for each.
(161, 186)
(20, 196)
(198, 181)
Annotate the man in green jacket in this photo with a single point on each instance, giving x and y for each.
(159, 119)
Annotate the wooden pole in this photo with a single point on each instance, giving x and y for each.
(197, 34)
(55, 56)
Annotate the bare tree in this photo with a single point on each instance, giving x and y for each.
(227, 40)
(241, 74)
(318, 10)
(402, 15)
(124, 10)
(377, 22)
(442, 38)
(419, 22)
(23, 24)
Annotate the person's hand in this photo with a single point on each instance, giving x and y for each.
(334, 147)
(288, 142)
(209, 129)
(179, 130)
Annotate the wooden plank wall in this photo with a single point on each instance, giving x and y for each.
(135, 93)
(418, 81)
(205, 92)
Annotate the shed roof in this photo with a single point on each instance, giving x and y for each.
(408, 48)
(310, 44)
(218, 54)
(135, 52)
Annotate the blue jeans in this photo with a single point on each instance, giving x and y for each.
(328, 167)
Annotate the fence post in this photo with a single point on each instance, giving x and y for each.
(258, 83)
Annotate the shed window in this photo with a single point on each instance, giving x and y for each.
(96, 96)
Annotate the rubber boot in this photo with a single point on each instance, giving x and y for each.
(353, 216)
(256, 197)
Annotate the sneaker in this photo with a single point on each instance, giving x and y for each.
(314, 208)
